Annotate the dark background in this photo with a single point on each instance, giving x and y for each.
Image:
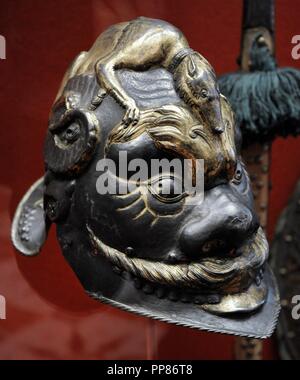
(48, 314)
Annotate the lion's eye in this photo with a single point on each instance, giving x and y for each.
(237, 176)
(167, 189)
(204, 93)
(71, 133)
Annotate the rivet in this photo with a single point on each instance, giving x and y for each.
(213, 299)
(291, 334)
(261, 41)
(198, 300)
(283, 271)
(129, 251)
(148, 289)
(206, 247)
(138, 283)
(160, 292)
(288, 238)
(185, 298)
(94, 250)
(173, 296)
(172, 258)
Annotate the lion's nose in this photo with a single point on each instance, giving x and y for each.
(220, 231)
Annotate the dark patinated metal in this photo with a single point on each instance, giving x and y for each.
(286, 264)
(179, 258)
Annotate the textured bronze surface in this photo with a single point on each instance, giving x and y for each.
(286, 264)
(193, 261)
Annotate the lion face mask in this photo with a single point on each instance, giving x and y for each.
(145, 243)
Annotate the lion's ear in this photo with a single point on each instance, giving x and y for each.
(30, 224)
(192, 67)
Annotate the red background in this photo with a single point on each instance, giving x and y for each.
(48, 314)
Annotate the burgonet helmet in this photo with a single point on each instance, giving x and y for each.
(194, 260)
